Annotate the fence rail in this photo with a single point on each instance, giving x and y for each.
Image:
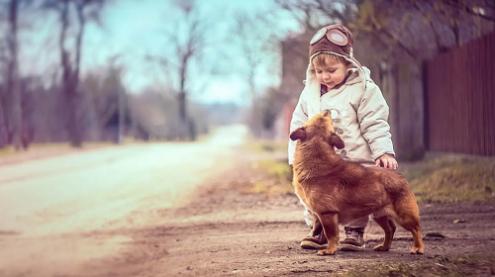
(460, 99)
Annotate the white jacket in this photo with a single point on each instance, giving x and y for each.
(358, 110)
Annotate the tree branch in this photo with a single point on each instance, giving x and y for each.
(468, 9)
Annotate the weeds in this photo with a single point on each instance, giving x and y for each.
(452, 178)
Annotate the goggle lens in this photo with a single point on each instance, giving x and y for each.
(335, 36)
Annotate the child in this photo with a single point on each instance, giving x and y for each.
(336, 81)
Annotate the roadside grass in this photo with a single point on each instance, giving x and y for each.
(439, 177)
(8, 150)
(36, 147)
(275, 180)
(43, 150)
(275, 174)
(451, 178)
(266, 146)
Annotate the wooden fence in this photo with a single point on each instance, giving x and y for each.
(460, 99)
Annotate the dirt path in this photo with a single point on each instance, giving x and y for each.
(228, 229)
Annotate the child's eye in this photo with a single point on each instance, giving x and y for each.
(319, 71)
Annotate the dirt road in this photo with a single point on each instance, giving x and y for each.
(227, 227)
(230, 230)
(49, 205)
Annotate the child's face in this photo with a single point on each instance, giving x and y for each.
(331, 74)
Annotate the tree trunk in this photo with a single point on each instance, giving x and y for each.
(3, 126)
(70, 76)
(13, 88)
(187, 129)
(181, 101)
(121, 112)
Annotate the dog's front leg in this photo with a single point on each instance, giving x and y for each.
(330, 223)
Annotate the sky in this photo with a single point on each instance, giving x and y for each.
(133, 30)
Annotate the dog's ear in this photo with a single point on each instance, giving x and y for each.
(299, 133)
(336, 141)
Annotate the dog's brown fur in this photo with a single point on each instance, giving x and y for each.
(337, 191)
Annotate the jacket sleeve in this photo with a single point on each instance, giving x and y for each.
(299, 117)
(372, 115)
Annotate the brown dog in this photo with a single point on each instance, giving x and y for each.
(337, 191)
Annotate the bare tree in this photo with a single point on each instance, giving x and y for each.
(70, 55)
(106, 101)
(5, 96)
(395, 36)
(255, 38)
(12, 84)
(404, 28)
(250, 47)
(11, 121)
(187, 45)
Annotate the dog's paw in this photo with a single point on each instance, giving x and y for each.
(325, 252)
(417, 250)
(381, 248)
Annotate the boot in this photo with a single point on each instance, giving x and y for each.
(353, 239)
(314, 242)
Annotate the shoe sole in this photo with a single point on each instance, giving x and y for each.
(351, 248)
(311, 245)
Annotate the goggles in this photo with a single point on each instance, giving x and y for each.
(333, 35)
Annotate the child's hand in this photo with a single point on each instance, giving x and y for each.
(387, 161)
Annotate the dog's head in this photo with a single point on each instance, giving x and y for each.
(321, 127)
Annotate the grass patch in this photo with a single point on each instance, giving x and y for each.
(35, 147)
(267, 146)
(276, 169)
(275, 177)
(443, 178)
(273, 174)
(7, 151)
(450, 178)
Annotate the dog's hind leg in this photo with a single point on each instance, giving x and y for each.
(388, 227)
(408, 217)
(330, 223)
(412, 225)
(418, 245)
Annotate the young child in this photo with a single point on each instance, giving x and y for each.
(336, 81)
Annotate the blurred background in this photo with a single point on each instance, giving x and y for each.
(113, 113)
(79, 71)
